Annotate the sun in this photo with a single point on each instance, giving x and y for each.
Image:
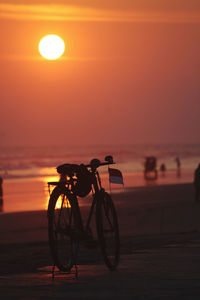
(51, 46)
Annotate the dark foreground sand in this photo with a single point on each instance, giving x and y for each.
(160, 240)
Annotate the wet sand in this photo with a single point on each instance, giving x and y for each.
(25, 194)
(160, 240)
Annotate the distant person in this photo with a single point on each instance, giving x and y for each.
(178, 163)
(1, 194)
(197, 183)
(162, 169)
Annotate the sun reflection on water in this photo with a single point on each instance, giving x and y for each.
(48, 188)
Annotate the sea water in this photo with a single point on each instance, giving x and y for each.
(27, 170)
(22, 162)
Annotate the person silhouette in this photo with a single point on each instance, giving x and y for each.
(1, 194)
(197, 183)
(178, 163)
(162, 169)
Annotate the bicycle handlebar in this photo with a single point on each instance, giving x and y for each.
(95, 163)
(101, 164)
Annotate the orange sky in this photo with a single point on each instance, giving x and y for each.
(130, 73)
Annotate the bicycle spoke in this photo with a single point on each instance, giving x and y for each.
(107, 227)
(64, 246)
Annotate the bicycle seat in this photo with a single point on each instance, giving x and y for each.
(68, 169)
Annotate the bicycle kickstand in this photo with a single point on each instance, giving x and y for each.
(53, 272)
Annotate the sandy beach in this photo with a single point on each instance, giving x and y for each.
(159, 229)
(141, 210)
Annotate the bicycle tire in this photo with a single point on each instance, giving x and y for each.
(107, 223)
(62, 229)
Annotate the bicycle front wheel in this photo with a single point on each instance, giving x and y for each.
(62, 229)
(108, 230)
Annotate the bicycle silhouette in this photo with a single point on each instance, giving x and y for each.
(65, 224)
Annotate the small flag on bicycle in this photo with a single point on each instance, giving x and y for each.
(115, 176)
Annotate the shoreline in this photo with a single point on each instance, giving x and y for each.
(116, 194)
(31, 194)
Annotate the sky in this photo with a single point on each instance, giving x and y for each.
(130, 72)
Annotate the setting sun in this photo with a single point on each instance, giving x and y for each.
(51, 46)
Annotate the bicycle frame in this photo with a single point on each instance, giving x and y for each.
(97, 189)
(69, 184)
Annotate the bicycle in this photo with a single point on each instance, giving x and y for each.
(65, 224)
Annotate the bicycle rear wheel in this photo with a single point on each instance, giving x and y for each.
(62, 229)
(108, 230)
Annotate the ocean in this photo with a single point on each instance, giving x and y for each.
(26, 162)
(26, 171)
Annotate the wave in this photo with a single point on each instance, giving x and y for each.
(20, 162)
